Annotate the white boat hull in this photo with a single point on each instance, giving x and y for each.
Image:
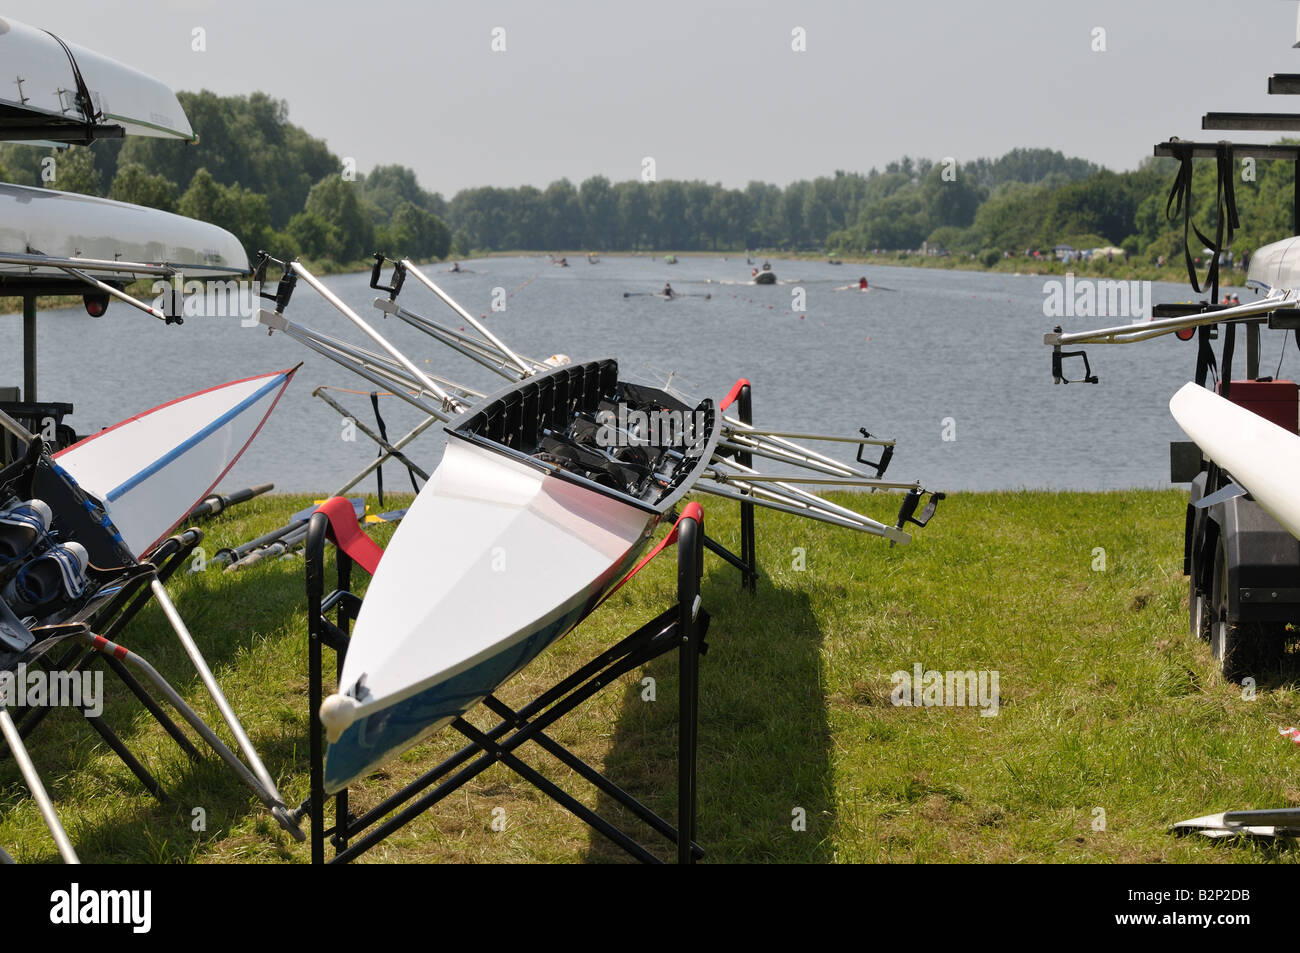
(38, 82)
(545, 551)
(150, 470)
(1275, 266)
(69, 225)
(1261, 456)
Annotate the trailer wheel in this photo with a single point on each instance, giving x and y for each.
(1242, 648)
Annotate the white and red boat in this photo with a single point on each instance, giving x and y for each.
(539, 507)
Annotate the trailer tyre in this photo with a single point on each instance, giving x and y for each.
(1241, 648)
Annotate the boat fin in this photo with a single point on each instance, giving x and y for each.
(1229, 492)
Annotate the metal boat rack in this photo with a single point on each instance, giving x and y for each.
(681, 627)
(89, 635)
(68, 276)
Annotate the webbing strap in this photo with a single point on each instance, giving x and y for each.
(1229, 345)
(1205, 355)
(1180, 201)
(85, 102)
(383, 432)
(733, 394)
(348, 536)
(693, 511)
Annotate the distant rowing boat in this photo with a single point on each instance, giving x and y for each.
(666, 297)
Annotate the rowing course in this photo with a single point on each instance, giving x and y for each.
(964, 345)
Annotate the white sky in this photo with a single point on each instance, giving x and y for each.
(711, 89)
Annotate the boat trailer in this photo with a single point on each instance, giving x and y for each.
(1243, 567)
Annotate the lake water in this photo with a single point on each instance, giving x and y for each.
(941, 344)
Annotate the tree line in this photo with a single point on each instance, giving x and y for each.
(276, 187)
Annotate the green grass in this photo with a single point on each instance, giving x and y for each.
(1106, 703)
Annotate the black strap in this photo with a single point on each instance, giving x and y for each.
(396, 454)
(1229, 344)
(1180, 200)
(1205, 362)
(383, 432)
(84, 100)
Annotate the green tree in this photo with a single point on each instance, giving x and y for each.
(74, 171)
(135, 184)
(315, 237)
(336, 203)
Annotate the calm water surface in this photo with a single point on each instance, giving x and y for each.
(960, 345)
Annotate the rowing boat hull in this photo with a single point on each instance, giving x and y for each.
(150, 470)
(68, 225)
(544, 552)
(144, 106)
(1261, 456)
(1276, 265)
(506, 549)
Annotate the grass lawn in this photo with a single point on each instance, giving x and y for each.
(1113, 721)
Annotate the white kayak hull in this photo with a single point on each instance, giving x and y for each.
(545, 551)
(38, 84)
(150, 470)
(68, 225)
(1261, 456)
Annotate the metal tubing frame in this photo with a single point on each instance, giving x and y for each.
(481, 328)
(340, 353)
(681, 627)
(388, 448)
(748, 544)
(1144, 331)
(33, 780)
(475, 350)
(385, 457)
(448, 400)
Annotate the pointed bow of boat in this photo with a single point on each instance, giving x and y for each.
(150, 470)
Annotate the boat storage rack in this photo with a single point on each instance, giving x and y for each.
(87, 633)
(681, 627)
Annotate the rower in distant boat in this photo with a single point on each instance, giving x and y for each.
(862, 283)
(455, 268)
(668, 290)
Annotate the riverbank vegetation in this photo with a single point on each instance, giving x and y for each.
(277, 187)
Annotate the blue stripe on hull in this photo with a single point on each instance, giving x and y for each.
(371, 741)
(185, 446)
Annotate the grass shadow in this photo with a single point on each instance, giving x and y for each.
(765, 769)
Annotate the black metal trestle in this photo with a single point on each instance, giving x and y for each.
(109, 620)
(747, 559)
(680, 627)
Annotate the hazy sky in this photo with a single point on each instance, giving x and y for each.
(710, 90)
